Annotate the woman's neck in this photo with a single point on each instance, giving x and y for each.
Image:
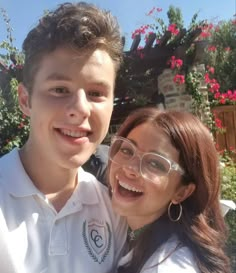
(137, 222)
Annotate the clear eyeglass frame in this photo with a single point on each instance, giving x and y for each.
(149, 173)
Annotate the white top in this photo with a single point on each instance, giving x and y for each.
(85, 236)
(226, 205)
(180, 260)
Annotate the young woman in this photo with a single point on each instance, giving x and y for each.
(164, 178)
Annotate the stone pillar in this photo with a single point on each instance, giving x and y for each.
(175, 96)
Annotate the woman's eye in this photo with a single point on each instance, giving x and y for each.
(126, 151)
(156, 165)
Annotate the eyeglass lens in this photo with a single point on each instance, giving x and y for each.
(152, 165)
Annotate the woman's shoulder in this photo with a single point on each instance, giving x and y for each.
(171, 257)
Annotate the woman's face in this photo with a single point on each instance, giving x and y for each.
(134, 196)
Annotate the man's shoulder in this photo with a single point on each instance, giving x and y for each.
(7, 161)
(8, 157)
(93, 183)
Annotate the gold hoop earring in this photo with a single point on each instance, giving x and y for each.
(180, 212)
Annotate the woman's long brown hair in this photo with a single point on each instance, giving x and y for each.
(202, 227)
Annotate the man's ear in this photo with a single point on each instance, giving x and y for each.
(23, 99)
(183, 193)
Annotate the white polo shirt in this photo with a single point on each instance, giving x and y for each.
(85, 236)
(168, 258)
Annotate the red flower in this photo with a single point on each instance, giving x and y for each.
(217, 95)
(179, 79)
(222, 101)
(218, 123)
(212, 48)
(178, 63)
(211, 70)
(21, 125)
(151, 11)
(214, 87)
(175, 63)
(205, 34)
(207, 78)
(141, 30)
(172, 28)
(229, 92)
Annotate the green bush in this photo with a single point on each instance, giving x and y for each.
(14, 126)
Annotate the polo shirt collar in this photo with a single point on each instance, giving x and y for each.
(87, 188)
(14, 176)
(18, 183)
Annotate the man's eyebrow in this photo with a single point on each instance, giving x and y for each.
(59, 77)
(100, 84)
(56, 76)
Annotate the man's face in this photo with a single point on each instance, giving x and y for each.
(70, 106)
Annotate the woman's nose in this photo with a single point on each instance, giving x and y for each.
(132, 169)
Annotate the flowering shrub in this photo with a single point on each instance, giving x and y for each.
(14, 126)
(159, 27)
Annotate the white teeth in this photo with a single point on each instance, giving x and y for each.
(72, 133)
(128, 187)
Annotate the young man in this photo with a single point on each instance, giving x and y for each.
(54, 217)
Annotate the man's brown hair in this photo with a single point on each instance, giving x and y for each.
(81, 26)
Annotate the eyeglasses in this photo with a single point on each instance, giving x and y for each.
(152, 165)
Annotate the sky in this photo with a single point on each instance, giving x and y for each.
(131, 14)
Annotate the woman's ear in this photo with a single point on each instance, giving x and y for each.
(183, 193)
(24, 99)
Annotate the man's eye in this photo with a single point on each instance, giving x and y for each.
(59, 90)
(95, 93)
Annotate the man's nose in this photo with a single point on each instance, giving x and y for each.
(79, 106)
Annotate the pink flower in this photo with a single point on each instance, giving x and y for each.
(179, 79)
(217, 95)
(175, 63)
(172, 28)
(222, 101)
(178, 63)
(207, 78)
(211, 70)
(214, 87)
(205, 34)
(212, 48)
(141, 30)
(21, 125)
(159, 9)
(218, 123)
(151, 11)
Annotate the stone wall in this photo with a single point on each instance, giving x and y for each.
(175, 96)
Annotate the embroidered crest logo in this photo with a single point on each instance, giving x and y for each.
(97, 239)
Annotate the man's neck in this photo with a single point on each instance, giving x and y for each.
(55, 182)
